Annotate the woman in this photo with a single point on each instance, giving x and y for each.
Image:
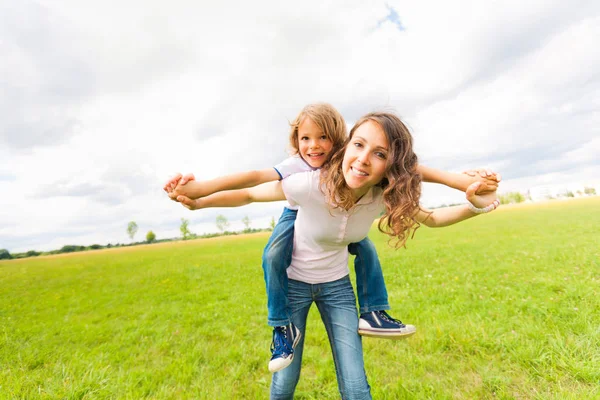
(375, 172)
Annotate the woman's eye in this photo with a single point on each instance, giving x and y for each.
(356, 144)
(380, 155)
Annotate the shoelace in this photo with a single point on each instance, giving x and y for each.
(279, 345)
(387, 317)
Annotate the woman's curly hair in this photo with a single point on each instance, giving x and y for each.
(401, 185)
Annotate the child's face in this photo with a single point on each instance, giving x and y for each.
(313, 145)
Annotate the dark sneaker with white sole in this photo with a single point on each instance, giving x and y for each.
(380, 324)
(285, 339)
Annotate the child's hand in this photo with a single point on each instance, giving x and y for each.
(179, 190)
(189, 203)
(480, 200)
(172, 183)
(177, 181)
(489, 179)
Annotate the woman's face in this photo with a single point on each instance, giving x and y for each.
(365, 158)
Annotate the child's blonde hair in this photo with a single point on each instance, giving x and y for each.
(327, 118)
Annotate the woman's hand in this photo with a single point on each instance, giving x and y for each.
(189, 203)
(480, 200)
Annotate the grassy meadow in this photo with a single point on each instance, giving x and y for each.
(507, 306)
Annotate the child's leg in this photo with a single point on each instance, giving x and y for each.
(284, 382)
(372, 295)
(277, 257)
(370, 286)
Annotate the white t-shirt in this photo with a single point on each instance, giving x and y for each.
(292, 165)
(322, 233)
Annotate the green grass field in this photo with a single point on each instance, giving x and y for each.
(507, 306)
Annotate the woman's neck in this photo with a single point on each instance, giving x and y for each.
(357, 194)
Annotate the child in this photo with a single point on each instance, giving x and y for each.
(317, 133)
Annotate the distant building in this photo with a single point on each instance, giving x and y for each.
(546, 192)
(539, 193)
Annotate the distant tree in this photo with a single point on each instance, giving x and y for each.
(33, 253)
(518, 197)
(272, 223)
(5, 255)
(512, 197)
(246, 221)
(95, 247)
(222, 223)
(184, 229)
(590, 191)
(70, 248)
(132, 229)
(570, 194)
(150, 237)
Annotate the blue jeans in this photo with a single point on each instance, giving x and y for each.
(370, 286)
(337, 306)
(277, 257)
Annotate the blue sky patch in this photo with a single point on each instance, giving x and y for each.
(394, 18)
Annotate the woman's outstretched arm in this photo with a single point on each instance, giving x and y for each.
(451, 215)
(270, 191)
(488, 179)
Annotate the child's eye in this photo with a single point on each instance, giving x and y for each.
(304, 138)
(324, 137)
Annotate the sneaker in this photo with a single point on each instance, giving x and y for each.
(380, 324)
(285, 339)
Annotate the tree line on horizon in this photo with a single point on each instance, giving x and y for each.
(132, 229)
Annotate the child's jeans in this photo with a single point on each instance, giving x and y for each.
(277, 256)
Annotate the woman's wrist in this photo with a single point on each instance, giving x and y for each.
(487, 209)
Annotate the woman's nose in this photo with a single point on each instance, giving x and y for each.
(363, 159)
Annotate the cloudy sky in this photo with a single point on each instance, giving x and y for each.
(102, 101)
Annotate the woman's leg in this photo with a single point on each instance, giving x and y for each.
(284, 382)
(337, 305)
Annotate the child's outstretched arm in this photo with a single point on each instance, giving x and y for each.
(488, 179)
(188, 187)
(270, 191)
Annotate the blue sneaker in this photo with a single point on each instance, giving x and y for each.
(285, 339)
(380, 324)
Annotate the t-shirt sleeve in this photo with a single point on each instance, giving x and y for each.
(290, 166)
(298, 187)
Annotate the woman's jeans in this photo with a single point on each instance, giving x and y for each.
(277, 257)
(337, 306)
